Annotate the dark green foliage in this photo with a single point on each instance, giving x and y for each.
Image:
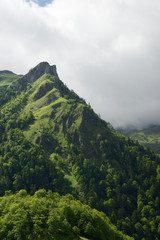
(125, 185)
(20, 122)
(23, 165)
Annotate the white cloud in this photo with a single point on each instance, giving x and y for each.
(107, 51)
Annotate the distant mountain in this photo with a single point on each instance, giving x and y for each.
(51, 139)
(149, 137)
(129, 129)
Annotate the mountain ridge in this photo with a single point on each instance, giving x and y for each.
(6, 72)
(34, 74)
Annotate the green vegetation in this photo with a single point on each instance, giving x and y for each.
(7, 78)
(149, 138)
(50, 138)
(46, 215)
(71, 177)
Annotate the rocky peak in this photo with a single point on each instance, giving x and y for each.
(34, 74)
(39, 70)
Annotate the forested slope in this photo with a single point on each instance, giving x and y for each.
(50, 138)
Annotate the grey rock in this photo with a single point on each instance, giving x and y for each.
(33, 75)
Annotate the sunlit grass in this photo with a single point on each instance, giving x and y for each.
(71, 178)
(7, 79)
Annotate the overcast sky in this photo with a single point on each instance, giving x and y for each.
(107, 51)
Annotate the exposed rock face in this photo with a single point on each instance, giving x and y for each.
(39, 70)
(33, 75)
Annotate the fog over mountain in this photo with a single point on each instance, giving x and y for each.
(106, 51)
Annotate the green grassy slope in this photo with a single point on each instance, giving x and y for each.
(149, 137)
(52, 111)
(6, 78)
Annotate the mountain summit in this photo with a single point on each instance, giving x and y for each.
(41, 69)
(34, 74)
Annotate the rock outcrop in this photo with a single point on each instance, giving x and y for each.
(33, 75)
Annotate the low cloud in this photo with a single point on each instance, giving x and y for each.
(106, 51)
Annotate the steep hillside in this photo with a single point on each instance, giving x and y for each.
(50, 138)
(149, 137)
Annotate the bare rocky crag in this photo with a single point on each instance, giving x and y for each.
(33, 75)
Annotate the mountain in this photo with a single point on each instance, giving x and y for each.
(51, 139)
(149, 137)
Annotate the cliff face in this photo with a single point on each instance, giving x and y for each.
(39, 70)
(33, 75)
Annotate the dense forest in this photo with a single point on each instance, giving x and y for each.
(47, 215)
(51, 139)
